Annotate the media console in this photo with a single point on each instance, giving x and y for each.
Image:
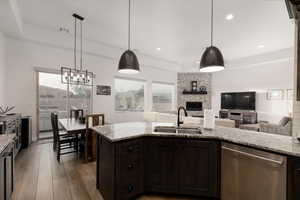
(240, 116)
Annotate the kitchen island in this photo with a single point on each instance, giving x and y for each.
(133, 159)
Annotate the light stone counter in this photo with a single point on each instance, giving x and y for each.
(265, 141)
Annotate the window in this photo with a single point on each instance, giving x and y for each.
(162, 97)
(129, 95)
(275, 94)
(80, 97)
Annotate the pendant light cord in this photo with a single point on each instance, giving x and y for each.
(212, 23)
(81, 45)
(129, 24)
(75, 43)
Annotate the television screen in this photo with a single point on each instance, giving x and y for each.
(238, 100)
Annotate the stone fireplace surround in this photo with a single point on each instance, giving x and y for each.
(184, 83)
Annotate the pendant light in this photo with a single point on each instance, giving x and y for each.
(77, 76)
(129, 63)
(212, 59)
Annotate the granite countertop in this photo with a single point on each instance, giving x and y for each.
(5, 140)
(265, 141)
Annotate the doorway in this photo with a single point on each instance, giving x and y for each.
(54, 96)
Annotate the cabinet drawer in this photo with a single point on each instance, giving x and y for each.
(130, 167)
(129, 189)
(130, 163)
(131, 147)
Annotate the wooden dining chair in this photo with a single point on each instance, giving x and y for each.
(77, 113)
(63, 141)
(90, 138)
(53, 132)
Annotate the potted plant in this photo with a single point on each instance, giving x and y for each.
(82, 119)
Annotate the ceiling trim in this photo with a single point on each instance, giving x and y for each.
(105, 44)
(17, 14)
(258, 64)
(89, 53)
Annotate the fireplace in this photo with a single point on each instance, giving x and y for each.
(194, 106)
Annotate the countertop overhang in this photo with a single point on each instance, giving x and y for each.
(265, 141)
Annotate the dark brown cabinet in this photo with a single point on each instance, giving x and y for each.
(130, 168)
(293, 178)
(175, 166)
(106, 168)
(129, 173)
(198, 168)
(161, 171)
(120, 169)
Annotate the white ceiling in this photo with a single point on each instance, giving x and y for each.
(181, 28)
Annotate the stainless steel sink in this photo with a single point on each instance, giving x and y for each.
(174, 129)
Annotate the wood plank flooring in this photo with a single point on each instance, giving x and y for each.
(38, 176)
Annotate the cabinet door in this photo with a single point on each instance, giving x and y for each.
(198, 163)
(2, 178)
(106, 168)
(129, 173)
(8, 175)
(161, 170)
(293, 179)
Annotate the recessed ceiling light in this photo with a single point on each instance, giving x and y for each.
(158, 49)
(261, 46)
(229, 16)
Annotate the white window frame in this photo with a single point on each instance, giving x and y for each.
(145, 94)
(173, 94)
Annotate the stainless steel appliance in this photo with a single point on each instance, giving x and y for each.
(250, 174)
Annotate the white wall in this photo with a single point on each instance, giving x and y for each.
(259, 78)
(2, 69)
(24, 56)
(296, 104)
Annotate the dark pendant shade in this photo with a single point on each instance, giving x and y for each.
(212, 60)
(129, 63)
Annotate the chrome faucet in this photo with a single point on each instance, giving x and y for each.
(178, 115)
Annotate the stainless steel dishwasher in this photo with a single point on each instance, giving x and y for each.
(250, 174)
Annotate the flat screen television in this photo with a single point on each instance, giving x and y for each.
(238, 100)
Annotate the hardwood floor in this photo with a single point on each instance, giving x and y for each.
(38, 176)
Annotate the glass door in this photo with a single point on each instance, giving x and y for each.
(54, 96)
(80, 98)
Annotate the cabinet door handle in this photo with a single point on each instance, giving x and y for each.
(130, 149)
(130, 166)
(130, 188)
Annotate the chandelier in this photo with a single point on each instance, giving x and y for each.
(76, 75)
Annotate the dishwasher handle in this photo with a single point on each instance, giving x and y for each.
(253, 155)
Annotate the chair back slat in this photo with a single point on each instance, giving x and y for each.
(52, 124)
(94, 120)
(77, 113)
(54, 121)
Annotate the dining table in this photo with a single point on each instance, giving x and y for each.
(72, 126)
